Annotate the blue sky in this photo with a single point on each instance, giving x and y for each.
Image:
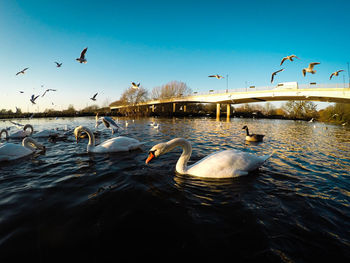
(154, 42)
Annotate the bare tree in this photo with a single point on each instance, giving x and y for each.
(170, 90)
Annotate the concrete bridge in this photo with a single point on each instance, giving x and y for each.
(281, 92)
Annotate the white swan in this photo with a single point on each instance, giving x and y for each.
(117, 144)
(22, 133)
(45, 133)
(11, 151)
(224, 164)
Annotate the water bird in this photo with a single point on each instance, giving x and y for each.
(222, 164)
(312, 120)
(107, 121)
(310, 68)
(58, 65)
(335, 73)
(216, 76)
(22, 133)
(11, 151)
(274, 74)
(33, 98)
(116, 144)
(22, 71)
(82, 59)
(252, 137)
(48, 91)
(135, 86)
(288, 58)
(94, 97)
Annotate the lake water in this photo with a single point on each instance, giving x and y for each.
(70, 206)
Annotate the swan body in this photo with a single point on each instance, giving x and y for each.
(223, 164)
(117, 144)
(253, 137)
(11, 151)
(44, 133)
(22, 133)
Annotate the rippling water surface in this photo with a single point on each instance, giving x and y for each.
(68, 205)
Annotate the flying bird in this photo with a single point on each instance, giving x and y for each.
(274, 74)
(135, 86)
(82, 56)
(108, 122)
(216, 76)
(33, 98)
(21, 91)
(47, 91)
(22, 71)
(289, 58)
(335, 73)
(94, 97)
(310, 68)
(58, 64)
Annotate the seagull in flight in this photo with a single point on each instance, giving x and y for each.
(216, 76)
(108, 122)
(47, 91)
(82, 56)
(135, 86)
(58, 64)
(335, 73)
(288, 58)
(274, 74)
(94, 97)
(310, 68)
(22, 71)
(33, 98)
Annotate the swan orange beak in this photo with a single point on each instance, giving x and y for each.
(150, 157)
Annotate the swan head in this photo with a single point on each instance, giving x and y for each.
(156, 151)
(244, 127)
(33, 144)
(78, 133)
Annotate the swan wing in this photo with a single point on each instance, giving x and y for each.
(229, 163)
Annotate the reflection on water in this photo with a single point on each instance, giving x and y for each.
(295, 208)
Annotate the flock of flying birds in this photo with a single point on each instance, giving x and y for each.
(80, 59)
(309, 69)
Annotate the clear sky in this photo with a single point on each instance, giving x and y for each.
(154, 42)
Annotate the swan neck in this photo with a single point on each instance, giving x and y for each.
(91, 137)
(6, 133)
(181, 165)
(28, 126)
(247, 131)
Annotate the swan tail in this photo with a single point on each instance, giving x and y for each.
(267, 156)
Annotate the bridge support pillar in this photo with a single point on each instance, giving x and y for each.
(174, 107)
(228, 109)
(185, 108)
(162, 108)
(218, 110)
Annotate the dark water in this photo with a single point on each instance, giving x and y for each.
(70, 206)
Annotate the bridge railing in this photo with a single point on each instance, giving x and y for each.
(262, 88)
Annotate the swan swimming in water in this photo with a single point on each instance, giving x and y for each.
(21, 133)
(223, 164)
(116, 144)
(11, 151)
